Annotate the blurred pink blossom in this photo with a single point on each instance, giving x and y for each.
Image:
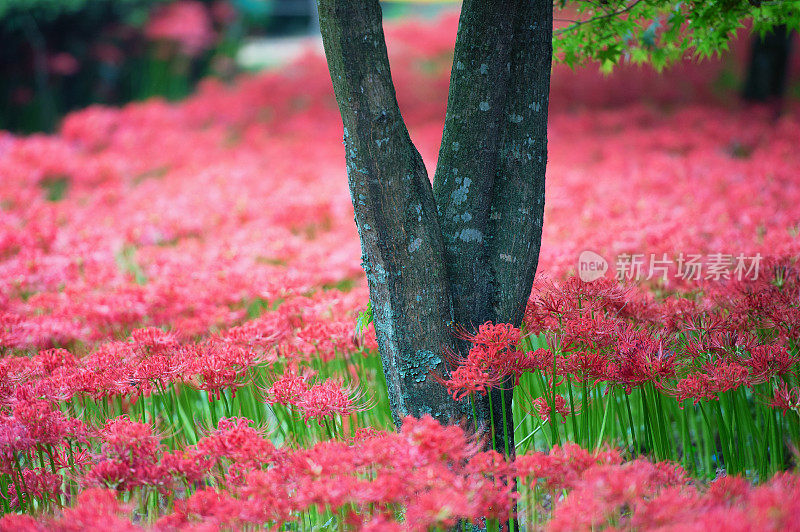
(186, 23)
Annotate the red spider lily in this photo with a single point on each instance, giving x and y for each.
(49, 360)
(641, 358)
(95, 508)
(563, 467)
(38, 423)
(494, 338)
(237, 441)
(153, 340)
(169, 223)
(215, 509)
(713, 380)
(39, 483)
(289, 388)
(234, 444)
(14, 438)
(493, 359)
(767, 361)
(586, 365)
(129, 457)
(186, 23)
(584, 331)
(264, 332)
(544, 408)
(727, 376)
(696, 386)
(329, 398)
(216, 366)
(319, 401)
(604, 491)
(20, 523)
(785, 398)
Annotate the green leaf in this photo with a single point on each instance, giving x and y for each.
(364, 319)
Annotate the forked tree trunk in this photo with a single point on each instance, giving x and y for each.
(465, 250)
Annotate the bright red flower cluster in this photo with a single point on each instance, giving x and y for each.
(319, 401)
(492, 359)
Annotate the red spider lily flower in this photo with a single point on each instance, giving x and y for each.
(68, 458)
(42, 424)
(495, 337)
(331, 398)
(265, 331)
(215, 366)
(152, 340)
(105, 372)
(696, 386)
(584, 330)
(712, 380)
(605, 492)
(544, 410)
(20, 523)
(563, 467)
(14, 438)
(187, 466)
(49, 360)
(214, 509)
(289, 388)
(727, 376)
(96, 509)
(786, 398)
(319, 401)
(586, 365)
(468, 378)
(39, 483)
(129, 458)
(767, 361)
(731, 341)
(641, 358)
(493, 359)
(240, 444)
(436, 441)
(186, 23)
(233, 444)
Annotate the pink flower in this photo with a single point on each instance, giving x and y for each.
(186, 23)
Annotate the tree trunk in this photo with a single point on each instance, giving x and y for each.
(769, 60)
(401, 242)
(489, 185)
(465, 249)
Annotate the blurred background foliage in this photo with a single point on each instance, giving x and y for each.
(60, 55)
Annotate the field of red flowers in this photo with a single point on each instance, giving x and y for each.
(179, 287)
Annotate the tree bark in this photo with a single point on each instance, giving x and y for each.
(769, 60)
(489, 184)
(401, 242)
(466, 249)
(517, 211)
(468, 156)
